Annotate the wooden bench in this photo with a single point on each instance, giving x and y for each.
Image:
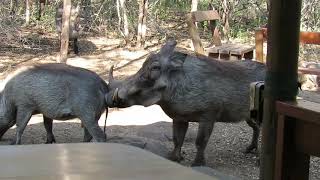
(298, 135)
(220, 51)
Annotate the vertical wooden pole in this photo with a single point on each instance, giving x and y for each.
(196, 41)
(65, 31)
(281, 79)
(259, 45)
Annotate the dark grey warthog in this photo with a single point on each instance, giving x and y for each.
(190, 89)
(74, 26)
(57, 91)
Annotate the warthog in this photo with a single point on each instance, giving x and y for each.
(191, 89)
(57, 91)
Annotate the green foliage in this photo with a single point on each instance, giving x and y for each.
(244, 15)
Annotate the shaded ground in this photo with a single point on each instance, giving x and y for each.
(226, 146)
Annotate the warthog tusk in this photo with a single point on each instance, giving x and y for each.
(115, 95)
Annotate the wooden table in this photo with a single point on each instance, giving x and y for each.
(86, 161)
(231, 51)
(298, 137)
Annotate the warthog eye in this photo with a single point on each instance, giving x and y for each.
(155, 68)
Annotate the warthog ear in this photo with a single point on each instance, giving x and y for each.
(166, 53)
(168, 48)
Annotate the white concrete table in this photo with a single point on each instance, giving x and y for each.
(87, 161)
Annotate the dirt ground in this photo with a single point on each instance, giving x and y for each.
(228, 141)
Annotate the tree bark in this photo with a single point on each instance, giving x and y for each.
(194, 5)
(143, 6)
(144, 23)
(225, 18)
(125, 21)
(87, 10)
(65, 31)
(42, 4)
(13, 7)
(28, 4)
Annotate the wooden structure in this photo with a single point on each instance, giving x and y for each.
(87, 161)
(261, 36)
(220, 51)
(298, 135)
(286, 121)
(305, 38)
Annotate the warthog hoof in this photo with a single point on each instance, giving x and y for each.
(51, 140)
(199, 162)
(175, 157)
(251, 149)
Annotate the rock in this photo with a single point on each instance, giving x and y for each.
(162, 131)
(153, 146)
(214, 173)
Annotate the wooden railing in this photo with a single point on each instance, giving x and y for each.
(261, 35)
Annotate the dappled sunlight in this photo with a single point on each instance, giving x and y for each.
(135, 115)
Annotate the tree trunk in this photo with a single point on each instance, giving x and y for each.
(65, 31)
(194, 5)
(225, 18)
(42, 4)
(28, 4)
(125, 21)
(123, 17)
(119, 17)
(13, 7)
(142, 23)
(87, 10)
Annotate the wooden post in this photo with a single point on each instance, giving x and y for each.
(65, 31)
(281, 79)
(259, 45)
(196, 41)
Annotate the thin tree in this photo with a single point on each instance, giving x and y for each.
(194, 5)
(123, 20)
(13, 7)
(28, 5)
(142, 28)
(87, 9)
(65, 32)
(42, 4)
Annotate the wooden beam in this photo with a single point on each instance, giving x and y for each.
(310, 37)
(196, 41)
(205, 15)
(282, 75)
(261, 36)
(312, 71)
